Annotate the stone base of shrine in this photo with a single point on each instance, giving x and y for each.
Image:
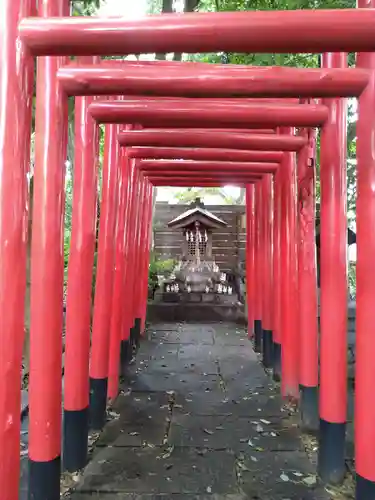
(199, 297)
(195, 311)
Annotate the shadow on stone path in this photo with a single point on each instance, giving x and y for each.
(198, 418)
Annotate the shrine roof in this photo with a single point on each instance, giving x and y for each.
(197, 213)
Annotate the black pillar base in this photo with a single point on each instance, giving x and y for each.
(309, 408)
(250, 331)
(135, 337)
(331, 454)
(137, 332)
(276, 362)
(365, 489)
(258, 334)
(132, 343)
(98, 403)
(44, 480)
(125, 356)
(75, 439)
(267, 348)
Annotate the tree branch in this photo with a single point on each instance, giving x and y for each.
(190, 6)
(167, 8)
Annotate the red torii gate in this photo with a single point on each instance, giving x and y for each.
(308, 31)
(116, 111)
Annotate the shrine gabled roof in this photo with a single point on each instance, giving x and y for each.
(197, 214)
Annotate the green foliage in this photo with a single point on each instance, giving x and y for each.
(85, 7)
(159, 266)
(352, 279)
(188, 195)
(94, 275)
(293, 60)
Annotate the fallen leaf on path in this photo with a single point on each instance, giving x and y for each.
(168, 453)
(201, 452)
(309, 480)
(284, 477)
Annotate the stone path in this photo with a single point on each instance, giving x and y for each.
(199, 419)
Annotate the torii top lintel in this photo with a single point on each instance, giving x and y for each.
(186, 79)
(156, 112)
(211, 139)
(289, 31)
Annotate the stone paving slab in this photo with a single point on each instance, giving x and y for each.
(215, 429)
(130, 434)
(178, 382)
(165, 327)
(278, 476)
(167, 364)
(230, 335)
(231, 341)
(161, 496)
(202, 358)
(139, 419)
(153, 470)
(135, 405)
(225, 404)
(158, 349)
(228, 432)
(192, 335)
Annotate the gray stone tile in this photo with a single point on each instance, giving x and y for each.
(167, 364)
(243, 402)
(161, 496)
(142, 420)
(135, 404)
(278, 476)
(192, 335)
(130, 434)
(234, 433)
(164, 327)
(229, 335)
(152, 471)
(183, 383)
